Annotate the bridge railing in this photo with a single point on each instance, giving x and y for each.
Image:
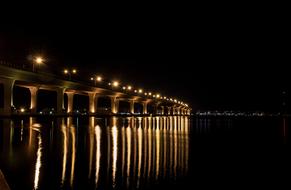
(59, 75)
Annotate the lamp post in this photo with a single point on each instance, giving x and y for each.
(36, 61)
(97, 79)
(70, 72)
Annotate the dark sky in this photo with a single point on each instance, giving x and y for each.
(227, 61)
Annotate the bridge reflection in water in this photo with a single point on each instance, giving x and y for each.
(117, 153)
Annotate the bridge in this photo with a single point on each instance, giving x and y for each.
(11, 77)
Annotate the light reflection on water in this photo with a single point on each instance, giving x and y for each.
(117, 153)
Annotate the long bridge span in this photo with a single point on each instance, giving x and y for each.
(35, 81)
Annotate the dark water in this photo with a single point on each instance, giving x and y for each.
(144, 153)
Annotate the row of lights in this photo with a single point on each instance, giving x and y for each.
(139, 91)
(69, 72)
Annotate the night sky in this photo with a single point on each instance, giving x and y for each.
(209, 61)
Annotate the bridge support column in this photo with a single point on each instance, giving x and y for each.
(92, 102)
(182, 111)
(60, 100)
(131, 105)
(175, 112)
(178, 110)
(8, 96)
(144, 107)
(169, 110)
(162, 110)
(114, 104)
(188, 112)
(70, 101)
(33, 99)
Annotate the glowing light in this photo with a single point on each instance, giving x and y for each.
(175, 100)
(165, 97)
(39, 60)
(140, 91)
(168, 99)
(115, 83)
(150, 93)
(91, 78)
(135, 91)
(114, 133)
(66, 71)
(109, 84)
(98, 152)
(124, 88)
(74, 71)
(129, 87)
(154, 96)
(38, 162)
(145, 93)
(22, 110)
(158, 95)
(99, 79)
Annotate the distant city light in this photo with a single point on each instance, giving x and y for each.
(124, 88)
(150, 93)
(140, 91)
(66, 71)
(158, 95)
(74, 71)
(129, 87)
(22, 110)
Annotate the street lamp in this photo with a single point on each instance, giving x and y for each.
(70, 72)
(97, 79)
(37, 60)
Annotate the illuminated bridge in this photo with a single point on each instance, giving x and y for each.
(65, 90)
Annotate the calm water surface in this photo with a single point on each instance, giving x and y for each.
(141, 152)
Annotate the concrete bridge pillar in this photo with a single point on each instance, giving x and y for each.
(70, 101)
(169, 110)
(114, 104)
(33, 99)
(174, 110)
(162, 110)
(60, 100)
(92, 102)
(144, 107)
(8, 96)
(183, 111)
(131, 105)
(178, 110)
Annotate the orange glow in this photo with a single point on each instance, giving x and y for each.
(115, 83)
(39, 60)
(99, 79)
(129, 87)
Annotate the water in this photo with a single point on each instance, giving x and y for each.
(94, 153)
(142, 152)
